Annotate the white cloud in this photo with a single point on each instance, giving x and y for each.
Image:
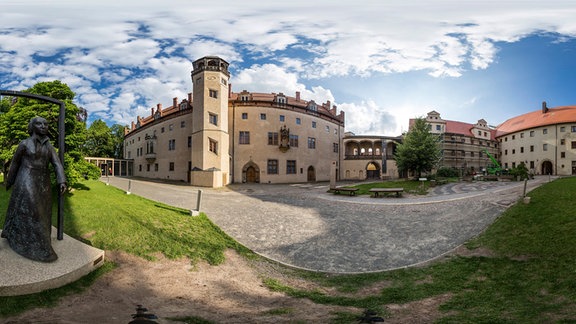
(137, 54)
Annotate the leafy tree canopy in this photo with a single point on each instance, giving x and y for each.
(420, 150)
(14, 127)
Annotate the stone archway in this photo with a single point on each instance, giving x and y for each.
(251, 173)
(547, 168)
(372, 170)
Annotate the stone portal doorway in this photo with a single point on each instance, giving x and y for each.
(311, 174)
(547, 168)
(251, 173)
(372, 171)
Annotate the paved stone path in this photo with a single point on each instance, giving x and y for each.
(304, 226)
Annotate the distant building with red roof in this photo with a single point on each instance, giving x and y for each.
(544, 140)
(464, 146)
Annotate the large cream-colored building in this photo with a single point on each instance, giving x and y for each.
(216, 137)
(545, 140)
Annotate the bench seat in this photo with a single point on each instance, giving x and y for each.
(350, 191)
(375, 192)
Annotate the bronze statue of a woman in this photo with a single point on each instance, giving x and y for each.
(28, 223)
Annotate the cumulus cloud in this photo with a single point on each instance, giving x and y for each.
(368, 118)
(125, 56)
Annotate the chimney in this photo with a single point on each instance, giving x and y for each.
(297, 95)
(544, 107)
(152, 109)
(190, 98)
(174, 102)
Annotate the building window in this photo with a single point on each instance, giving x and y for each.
(522, 149)
(213, 93)
(244, 98)
(311, 143)
(189, 141)
(313, 124)
(298, 121)
(224, 82)
(293, 140)
(531, 133)
(171, 166)
(335, 147)
(472, 153)
(291, 167)
(573, 145)
(545, 131)
(513, 151)
(162, 130)
(513, 137)
(170, 127)
(562, 141)
(438, 127)
(281, 100)
(531, 148)
(262, 116)
(147, 167)
(562, 155)
(327, 129)
(272, 166)
(272, 138)
(521, 135)
(244, 115)
(505, 152)
(244, 137)
(213, 146)
(282, 118)
(544, 147)
(156, 167)
(171, 145)
(213, 118)
(531, 164)
(140, 167)
(183, 124)
(562, 129)
(573, 129)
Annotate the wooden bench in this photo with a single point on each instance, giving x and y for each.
(350, 191)
(375, 192)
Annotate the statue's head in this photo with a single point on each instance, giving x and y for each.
(39, 125)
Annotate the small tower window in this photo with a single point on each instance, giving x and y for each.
(214, 93)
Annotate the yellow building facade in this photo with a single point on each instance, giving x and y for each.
(216, 137)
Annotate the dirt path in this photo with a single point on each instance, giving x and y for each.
(228, 293)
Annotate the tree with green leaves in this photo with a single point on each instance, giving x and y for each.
(99, 141)
(420, 149)
(104, 141)
(14, 124)
(118, 140)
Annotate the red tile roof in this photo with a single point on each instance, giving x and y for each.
(558, 115)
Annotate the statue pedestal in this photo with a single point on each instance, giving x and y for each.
(21, 276)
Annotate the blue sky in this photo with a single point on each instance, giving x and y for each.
(382, 62)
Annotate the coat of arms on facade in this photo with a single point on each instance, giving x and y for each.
(284, 139)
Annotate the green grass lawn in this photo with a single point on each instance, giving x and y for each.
(411, 186)
(529, 277)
